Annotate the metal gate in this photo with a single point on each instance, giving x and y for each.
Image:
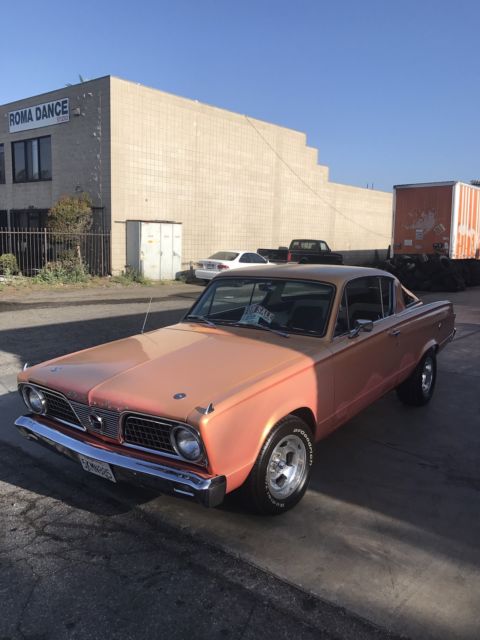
(35, 249)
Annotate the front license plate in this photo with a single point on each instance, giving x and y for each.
(97, 467)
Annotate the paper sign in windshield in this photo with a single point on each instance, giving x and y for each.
(254, 312)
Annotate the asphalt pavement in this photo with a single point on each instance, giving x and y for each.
(384, 544)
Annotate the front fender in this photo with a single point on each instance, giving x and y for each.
(234, 436)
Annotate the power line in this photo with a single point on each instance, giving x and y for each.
(315, 193)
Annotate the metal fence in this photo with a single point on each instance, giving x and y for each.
(34, 249)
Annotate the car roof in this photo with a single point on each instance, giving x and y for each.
(233, 251)
(336, 274)
(230, 251)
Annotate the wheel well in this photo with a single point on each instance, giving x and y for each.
(306, 414)
(433, 347)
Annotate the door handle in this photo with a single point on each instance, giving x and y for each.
(395, 332)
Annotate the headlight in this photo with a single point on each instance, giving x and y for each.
(187, 443)
(34, 399)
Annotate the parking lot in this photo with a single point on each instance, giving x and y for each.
(388, 530)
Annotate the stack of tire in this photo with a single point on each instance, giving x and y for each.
(471, 272)
(434, 273)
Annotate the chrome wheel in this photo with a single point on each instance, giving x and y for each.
(287, 467)
(427, 375)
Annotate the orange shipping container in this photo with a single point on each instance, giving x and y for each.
(437, 218)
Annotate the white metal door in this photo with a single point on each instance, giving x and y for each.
(177, 249)
(170, 250)
(150, 250)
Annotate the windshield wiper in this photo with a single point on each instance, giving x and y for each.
(208, 322)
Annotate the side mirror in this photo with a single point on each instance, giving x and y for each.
(361, 325)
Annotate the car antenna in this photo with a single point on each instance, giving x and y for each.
(146, 315)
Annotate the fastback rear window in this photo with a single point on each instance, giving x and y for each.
(224, 255)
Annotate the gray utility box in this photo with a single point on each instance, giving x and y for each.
(154, 249)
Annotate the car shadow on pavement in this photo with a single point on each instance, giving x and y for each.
(64, 481)
(416, 468)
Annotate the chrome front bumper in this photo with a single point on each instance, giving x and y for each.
(186, 484)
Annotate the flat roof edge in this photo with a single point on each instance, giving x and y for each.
(213, 106)
(449, 183)
(67, 86)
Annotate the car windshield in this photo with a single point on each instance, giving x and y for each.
(290, 306)
(224, 255)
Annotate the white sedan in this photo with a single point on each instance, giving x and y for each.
(208, 268)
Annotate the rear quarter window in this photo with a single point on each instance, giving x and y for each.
(408, 298)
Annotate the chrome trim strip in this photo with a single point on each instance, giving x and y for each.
(78, 427)
(158, 452)
(185, 493)
(209, 491)
(445, 341)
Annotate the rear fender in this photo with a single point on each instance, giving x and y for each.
(431, 344)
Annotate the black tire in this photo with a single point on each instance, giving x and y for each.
(418, 388)
(258, 492)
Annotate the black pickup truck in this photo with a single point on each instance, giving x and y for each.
(304, 252)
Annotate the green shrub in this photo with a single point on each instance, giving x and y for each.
(129, 276)
(64, 271)
(8, 264)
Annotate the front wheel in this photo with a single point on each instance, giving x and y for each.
(281, 473)
(418, 388)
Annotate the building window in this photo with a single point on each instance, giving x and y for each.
(32, 160)
(2, 164)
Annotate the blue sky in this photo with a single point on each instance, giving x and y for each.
(387, 91)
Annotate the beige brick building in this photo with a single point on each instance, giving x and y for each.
(142, 154)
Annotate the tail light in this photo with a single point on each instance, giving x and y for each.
(220, 267)
(289, 256)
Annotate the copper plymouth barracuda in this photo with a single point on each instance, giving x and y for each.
(266, 362)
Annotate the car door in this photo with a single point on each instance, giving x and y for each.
(365, 366)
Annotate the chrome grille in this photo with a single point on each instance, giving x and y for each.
(58, 407)
(110, 420)
(148, 433)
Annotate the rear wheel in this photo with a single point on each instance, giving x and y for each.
(281, 473)
(418, 388)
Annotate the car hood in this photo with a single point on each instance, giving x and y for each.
(201, 364)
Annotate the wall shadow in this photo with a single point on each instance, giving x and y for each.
(37, 343)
